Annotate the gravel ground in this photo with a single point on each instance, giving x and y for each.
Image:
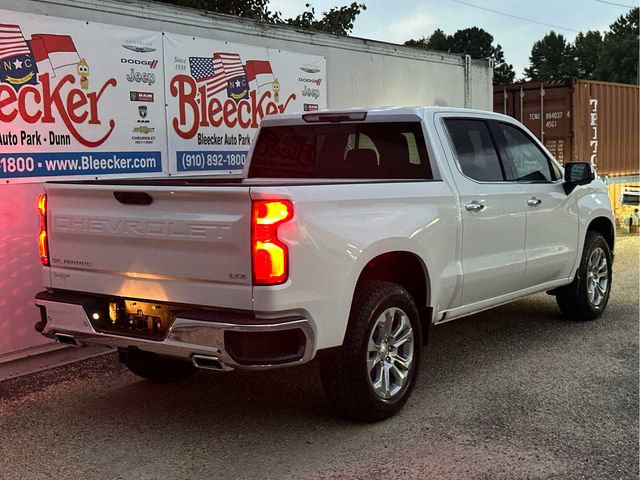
(513, 393)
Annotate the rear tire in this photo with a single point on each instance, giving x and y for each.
(587, 296)
(157, 368)
(372, 375)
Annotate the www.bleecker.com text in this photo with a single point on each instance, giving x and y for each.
(38, 164)
(35, 138)
(89, 162)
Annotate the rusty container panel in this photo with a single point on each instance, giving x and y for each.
(544, 108)
(580, 120)
(606, 126)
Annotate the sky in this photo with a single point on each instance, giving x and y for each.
(400, 20)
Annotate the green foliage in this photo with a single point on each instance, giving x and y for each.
(419, 43)
(472, 41)
(613, 58)
(254, 9)
(551, 58)
(503, 72)
(618, 61)
(338, 20)
(587, 48)
(438, 41)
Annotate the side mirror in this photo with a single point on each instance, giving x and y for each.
(577, 173)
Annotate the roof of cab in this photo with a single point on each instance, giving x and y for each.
(383, 112)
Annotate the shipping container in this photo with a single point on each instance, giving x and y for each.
(359, 72)
(580, 120)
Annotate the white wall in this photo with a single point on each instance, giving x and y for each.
(19, 270)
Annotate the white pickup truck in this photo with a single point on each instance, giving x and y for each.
(347, 237)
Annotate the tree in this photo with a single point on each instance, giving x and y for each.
(472, 41)
(551, 59)
(503, 72)
(587, 48)
(254, 9)
(338, 20)
(438, 41)
(419, 43)
(619, 55)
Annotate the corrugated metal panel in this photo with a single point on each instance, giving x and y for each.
(580, 120)
(607, 126)
(549, 119)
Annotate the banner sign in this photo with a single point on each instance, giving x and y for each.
(81, 99)
(217, 93)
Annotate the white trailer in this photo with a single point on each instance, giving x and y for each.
(357, 73)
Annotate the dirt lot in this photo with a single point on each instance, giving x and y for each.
(513, 393)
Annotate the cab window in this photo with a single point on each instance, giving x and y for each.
(475, 150)
(529, 161)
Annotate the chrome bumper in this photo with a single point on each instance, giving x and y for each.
(187, 339)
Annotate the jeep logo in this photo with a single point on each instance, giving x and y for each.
(141, 77)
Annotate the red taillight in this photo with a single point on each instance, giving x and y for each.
(270, 255)
(42, 236)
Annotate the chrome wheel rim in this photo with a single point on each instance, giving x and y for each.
(597, 277)
(390, 353)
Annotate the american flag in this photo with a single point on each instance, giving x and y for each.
(216, 72)
(12, 42)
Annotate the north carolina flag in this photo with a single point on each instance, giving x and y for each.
(59, 50)
(231, 65)
(40, 56)
(259, 71)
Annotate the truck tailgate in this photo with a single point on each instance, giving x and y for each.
(165, 243)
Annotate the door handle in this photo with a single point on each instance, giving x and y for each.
(473, 207)
(534, 202)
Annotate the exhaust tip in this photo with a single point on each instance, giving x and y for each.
(65, 339)
(209, 363)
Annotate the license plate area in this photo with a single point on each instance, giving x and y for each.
(133, 318)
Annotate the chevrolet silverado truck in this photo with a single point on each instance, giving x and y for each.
(349, 234)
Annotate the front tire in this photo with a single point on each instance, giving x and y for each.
(157, 368)
(372, 375)
(587, 296)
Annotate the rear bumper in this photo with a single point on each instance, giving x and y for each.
(227, 340)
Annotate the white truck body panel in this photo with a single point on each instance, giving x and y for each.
(472, 260)
(339, 230)
(188, 246)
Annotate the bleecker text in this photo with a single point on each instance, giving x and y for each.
(39, 105)
(197, 110)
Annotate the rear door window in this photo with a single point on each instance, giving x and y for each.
(475, 149)
(346, 150)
